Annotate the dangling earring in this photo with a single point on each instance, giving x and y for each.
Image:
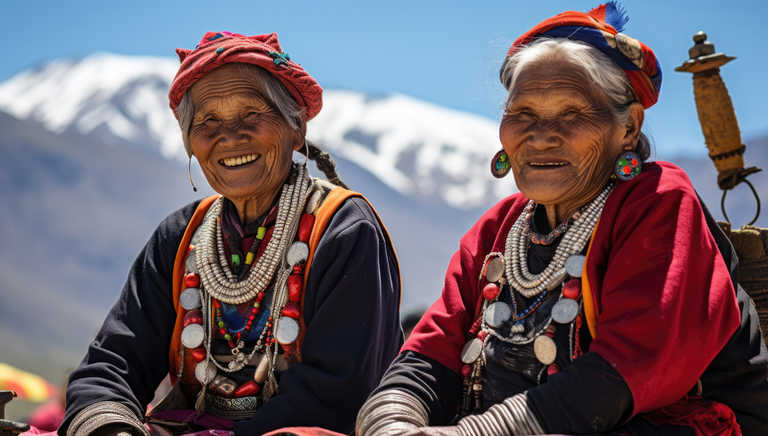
(500, 164)
(189, 174)
(628, 166)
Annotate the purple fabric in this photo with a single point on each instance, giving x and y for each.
(191, 416)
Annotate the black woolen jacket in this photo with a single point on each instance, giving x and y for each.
(351, 312)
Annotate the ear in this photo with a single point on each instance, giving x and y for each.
(301, 133)
(633, 126)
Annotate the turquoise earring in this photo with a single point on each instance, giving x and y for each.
(500, 164)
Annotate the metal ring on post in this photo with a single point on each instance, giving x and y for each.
(757, 199)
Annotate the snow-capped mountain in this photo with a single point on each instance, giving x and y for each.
(414, 147)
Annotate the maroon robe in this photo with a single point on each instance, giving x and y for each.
(663, 299)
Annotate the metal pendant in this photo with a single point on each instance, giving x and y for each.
(545, 349)
(238, 362)
(575, 264)
(565, 311)
(298, 252)
(190, 299)
(205, 372)
(287, 330)
(471, 351)
(497, 314)
(495, 269)
(192, 335)
(224, 386)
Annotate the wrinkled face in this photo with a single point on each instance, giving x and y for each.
(243, 144)
(560, 134)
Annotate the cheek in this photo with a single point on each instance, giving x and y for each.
(508, 135)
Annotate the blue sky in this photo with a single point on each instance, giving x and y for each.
(443, 52)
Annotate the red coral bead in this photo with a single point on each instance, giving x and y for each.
(198, 354)
(191, 280)
(193, 317)
(466, 370)
(305, 227)
(295, 283)
(482, 335)
(572, 289)
(491, 291)
(299, 269)
(553, 369)
(291, 310)
(248, 388)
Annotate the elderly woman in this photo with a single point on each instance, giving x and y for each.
(272, 304)
(599, 299)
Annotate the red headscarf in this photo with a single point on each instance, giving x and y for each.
(601, 29)
(219, 48)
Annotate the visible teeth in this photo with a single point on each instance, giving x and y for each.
(545, 164)
(240, 160)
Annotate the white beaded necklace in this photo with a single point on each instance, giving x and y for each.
(216, 277)
(574, 240)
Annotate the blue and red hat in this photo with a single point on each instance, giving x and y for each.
(601, 28)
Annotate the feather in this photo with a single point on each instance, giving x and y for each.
(616, 15)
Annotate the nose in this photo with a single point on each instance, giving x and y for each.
(544, 138)
(232, 134)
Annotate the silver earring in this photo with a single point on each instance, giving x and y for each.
(189, 174)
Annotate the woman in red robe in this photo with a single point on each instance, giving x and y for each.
(598, 300)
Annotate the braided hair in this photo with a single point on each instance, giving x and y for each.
(324, 162)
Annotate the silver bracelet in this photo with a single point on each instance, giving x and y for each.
(391, 412)
(511, 416)
(98, 415)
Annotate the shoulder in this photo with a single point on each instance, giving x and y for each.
(173, 226)
(489, 231)
(657, 179)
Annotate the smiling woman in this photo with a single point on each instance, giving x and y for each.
(599, 299)
(271, 304)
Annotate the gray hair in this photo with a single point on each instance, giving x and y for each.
(267, 84)
(599, 68)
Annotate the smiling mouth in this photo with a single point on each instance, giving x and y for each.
(239, 161)
(547, 165)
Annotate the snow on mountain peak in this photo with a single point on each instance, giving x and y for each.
(415, 147)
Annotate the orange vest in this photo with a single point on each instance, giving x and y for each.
(323, 214)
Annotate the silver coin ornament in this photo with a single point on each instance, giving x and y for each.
(191, 263)
(190, 299)
(287, 330)
(575, 264)
(205, 372)
(545, 349)
(298, 252)
(192, 336)
(495, 269)
(497, 314)
(565, 311)
(471, 351)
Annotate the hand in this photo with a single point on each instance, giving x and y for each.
(433, 431)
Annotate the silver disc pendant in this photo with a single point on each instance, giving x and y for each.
(298, 252)
(495, 269)
(191, 262)
(471, 351)
(575, 264)
(287, 330)
(565, 311)
(545, 349)
(190, 299)
(497, 314)
(192, 335)
(205, 372)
